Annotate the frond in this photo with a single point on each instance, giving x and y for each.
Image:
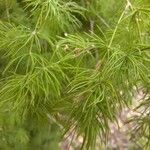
(55, 14)
(141, 124)
(20, 39)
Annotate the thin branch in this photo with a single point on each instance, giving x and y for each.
(119, 21)
(7, 11)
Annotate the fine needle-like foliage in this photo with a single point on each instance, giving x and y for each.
(70, 67)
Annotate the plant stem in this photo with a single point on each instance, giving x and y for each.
(7, 10)
(119, 21)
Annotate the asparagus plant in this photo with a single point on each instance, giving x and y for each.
(70, 66)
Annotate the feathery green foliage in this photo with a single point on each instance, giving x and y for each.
(71, 65)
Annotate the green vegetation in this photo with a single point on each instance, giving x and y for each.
(71, 66)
